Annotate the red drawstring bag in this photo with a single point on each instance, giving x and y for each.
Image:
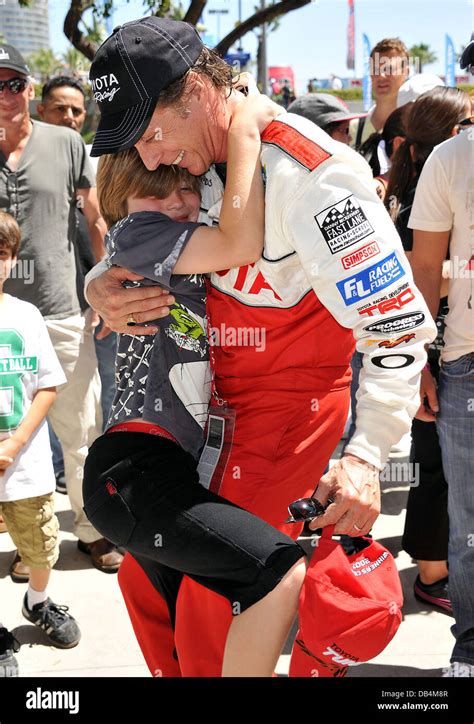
(350, 608)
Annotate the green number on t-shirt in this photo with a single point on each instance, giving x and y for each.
(10, 420)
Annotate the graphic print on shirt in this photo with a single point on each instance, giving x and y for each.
(193, 388)
(190, 380)
(187, 330)
(134, 358)
(13, 365)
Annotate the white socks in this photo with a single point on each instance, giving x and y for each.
(35, 597)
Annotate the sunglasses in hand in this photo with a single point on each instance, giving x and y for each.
(14, 85)
(306, 509)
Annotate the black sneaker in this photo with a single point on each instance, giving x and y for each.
(60, 627)
(8, 646)
(435, 593)
(61, 483)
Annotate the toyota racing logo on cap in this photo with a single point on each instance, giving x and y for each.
(105, 87)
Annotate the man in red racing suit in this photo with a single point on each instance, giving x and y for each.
(333, 271)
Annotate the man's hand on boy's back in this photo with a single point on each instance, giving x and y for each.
(117, 304)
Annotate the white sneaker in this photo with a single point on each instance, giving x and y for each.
(458, 669)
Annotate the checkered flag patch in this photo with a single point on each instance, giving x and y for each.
(332, 217)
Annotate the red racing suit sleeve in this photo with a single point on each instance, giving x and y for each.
(354, 260)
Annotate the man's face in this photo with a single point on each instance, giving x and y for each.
(190, 135)
(14, 106)
(389, 72)
(64, 106)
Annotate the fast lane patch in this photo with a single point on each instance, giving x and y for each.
(343, 224)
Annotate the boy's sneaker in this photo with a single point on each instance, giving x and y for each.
(8, 646)
(459, 670)
(60, 627)
(61, 483)
(435, 593)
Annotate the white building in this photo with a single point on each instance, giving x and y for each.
(25, 28)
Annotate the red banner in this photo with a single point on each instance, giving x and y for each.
(351, 37)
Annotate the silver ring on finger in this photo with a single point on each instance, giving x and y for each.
(357, 527)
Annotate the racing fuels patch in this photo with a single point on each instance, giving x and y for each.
(343, 224)
(394, 325)
(359, 255)
(371, 280)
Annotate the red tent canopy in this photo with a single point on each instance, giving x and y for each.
(279, 73)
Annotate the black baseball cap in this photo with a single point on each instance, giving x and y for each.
(322, 109)
(130, 70)
(466, 61)
(12, 59)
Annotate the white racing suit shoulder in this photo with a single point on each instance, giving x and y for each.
(322, 204)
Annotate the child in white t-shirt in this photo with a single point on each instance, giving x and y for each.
(29, 374)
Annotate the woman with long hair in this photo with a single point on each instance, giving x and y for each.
(433, 118)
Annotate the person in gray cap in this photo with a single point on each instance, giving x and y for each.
(328, 112)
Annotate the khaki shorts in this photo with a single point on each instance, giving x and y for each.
(34, 529)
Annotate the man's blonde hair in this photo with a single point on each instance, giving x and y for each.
(123, 175)
(388, 44)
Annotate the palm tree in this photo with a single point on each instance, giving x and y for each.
(44, 63)
(96, 33)
(75, 61)
(423, 54)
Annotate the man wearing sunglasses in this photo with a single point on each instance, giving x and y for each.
(44, 174)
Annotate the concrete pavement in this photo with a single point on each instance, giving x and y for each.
(422, 646)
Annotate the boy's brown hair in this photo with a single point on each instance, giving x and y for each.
(121, 175)
(10, 234)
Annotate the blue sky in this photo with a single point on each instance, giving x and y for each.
(313, 39)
